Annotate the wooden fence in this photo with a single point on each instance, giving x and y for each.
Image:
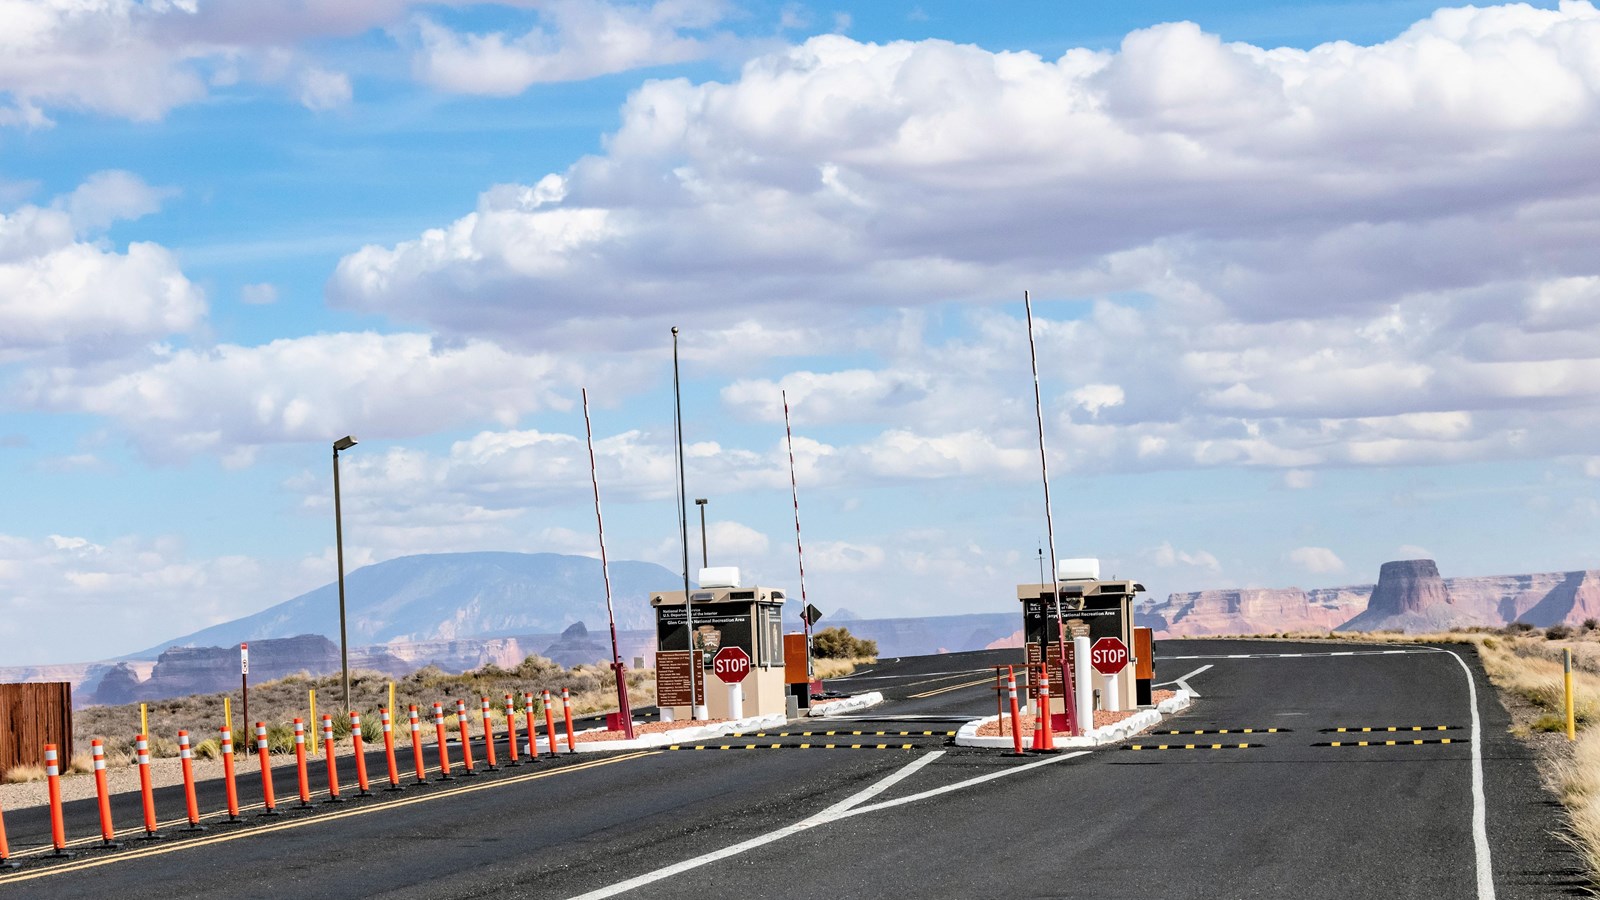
(32, 715)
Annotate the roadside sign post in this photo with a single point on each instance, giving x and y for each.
(244, 679)
(732, 664)
(1109, 656)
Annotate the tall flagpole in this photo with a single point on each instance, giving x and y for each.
(620, 669)
(1068, 691)
(799, 551)
(695, 700)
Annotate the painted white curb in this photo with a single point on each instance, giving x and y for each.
(675, 736)
(967, 736)
(845, 704)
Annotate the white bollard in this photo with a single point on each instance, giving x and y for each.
(666, 714)
(1083, 684)
(1114, 692)
(736, 700)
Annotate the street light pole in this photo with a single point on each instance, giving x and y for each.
(704, 559)
(344, 443)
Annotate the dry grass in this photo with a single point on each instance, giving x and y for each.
(838, 668)
(277, 703)
(24, 773)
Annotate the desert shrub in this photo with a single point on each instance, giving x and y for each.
(839, 643)
(24, 773)
(1557, 633)
(1558, 721)
(210, 748)
(1591, 624)
(1515, 628)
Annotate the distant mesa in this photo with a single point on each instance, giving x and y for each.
(1411, 596)
(843, 615)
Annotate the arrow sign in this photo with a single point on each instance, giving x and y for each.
(731, 664)
(811, 615)
(1109, 655)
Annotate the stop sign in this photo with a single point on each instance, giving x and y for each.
(1108, 655)
(732, 664)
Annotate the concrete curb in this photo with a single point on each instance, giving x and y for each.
(676, 735)
(967, 736)
(846, 704)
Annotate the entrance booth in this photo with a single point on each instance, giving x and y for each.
(724, 615)
(1089, 608)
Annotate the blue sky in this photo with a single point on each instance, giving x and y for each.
(1315, 288)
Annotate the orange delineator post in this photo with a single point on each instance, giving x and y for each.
(416, 746)
(141, 747)
(566, 713)
(533, 734)
(1016, 714)
(488, 737)
(58, 828)
(5, 849)
(300, 762)
(190, 804)
(511, 732)
(464, 728)
(264, 760)
(228, 781)
(549, 724)
(333, 768)
(388, 750)
(444, 749)
(1045, 741)
(103, 794)
(360, 750)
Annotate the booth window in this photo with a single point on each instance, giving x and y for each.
(771, 628)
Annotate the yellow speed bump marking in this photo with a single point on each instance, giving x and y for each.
(762, 734)
(258, 830)
(953, 687)
(1191, 746)
(791, 747)
(1230, 731)
(1388, 743)
(1371, 728)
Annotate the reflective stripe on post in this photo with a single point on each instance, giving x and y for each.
(141, 747)
(388, 750)
(264, 760)
(533, 735)
(300, 762)
(333, 767)
(511, 732)
(102, 794)
(444, 748)
(464, 729)
(566, 713)
(58, 828)
(416, 746)
(1016, 714)
(1044, 741)
(360, 750)
(191, 807)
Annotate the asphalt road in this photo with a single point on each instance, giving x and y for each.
(1287, 816)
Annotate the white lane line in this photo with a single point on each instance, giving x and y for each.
(1238, 656)
(1293, 655)
(1183, 681)
(841, 810)
(1289, 655)
(1348, 653)
(1391, 652)
(1480, 815)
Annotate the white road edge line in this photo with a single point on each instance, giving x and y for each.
(1183, 681)
(1480, 815)
(843, 809)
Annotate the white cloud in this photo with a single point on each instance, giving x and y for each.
(727, 542)
(576, 39)
(844, 557)
(1412, 551)
(262, 294)
(1316, 560)
(1094, 397)
(322, 90)
(1166, 557)
(1299, 479)
(307, 389)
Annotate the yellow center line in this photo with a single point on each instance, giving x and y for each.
(311, 820)
(953, 687)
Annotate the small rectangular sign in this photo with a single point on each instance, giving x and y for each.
(673, 669)
(244, 659)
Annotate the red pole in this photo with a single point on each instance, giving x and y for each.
(360, 749)
(264, 760)
(103, 794)
(1016, 714)
(488, 737)
(549, 724)
(388, 750)
(333, 768)
(191, 805)
(58, 828)
(511, 732)
(141, 746)
(464, 729)
(300, 762)
(533, 734)
(566, 713)
(230, 785)
(5, 849)
(444, 750)
(416, 746)
(618, 668)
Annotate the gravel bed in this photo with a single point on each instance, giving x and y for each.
(643, 728)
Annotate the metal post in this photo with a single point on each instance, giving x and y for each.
(624, 708)
(344, 443)
(244, 680)
(683, 528)
(799, 551)
(1566, 666)
(705, 558)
